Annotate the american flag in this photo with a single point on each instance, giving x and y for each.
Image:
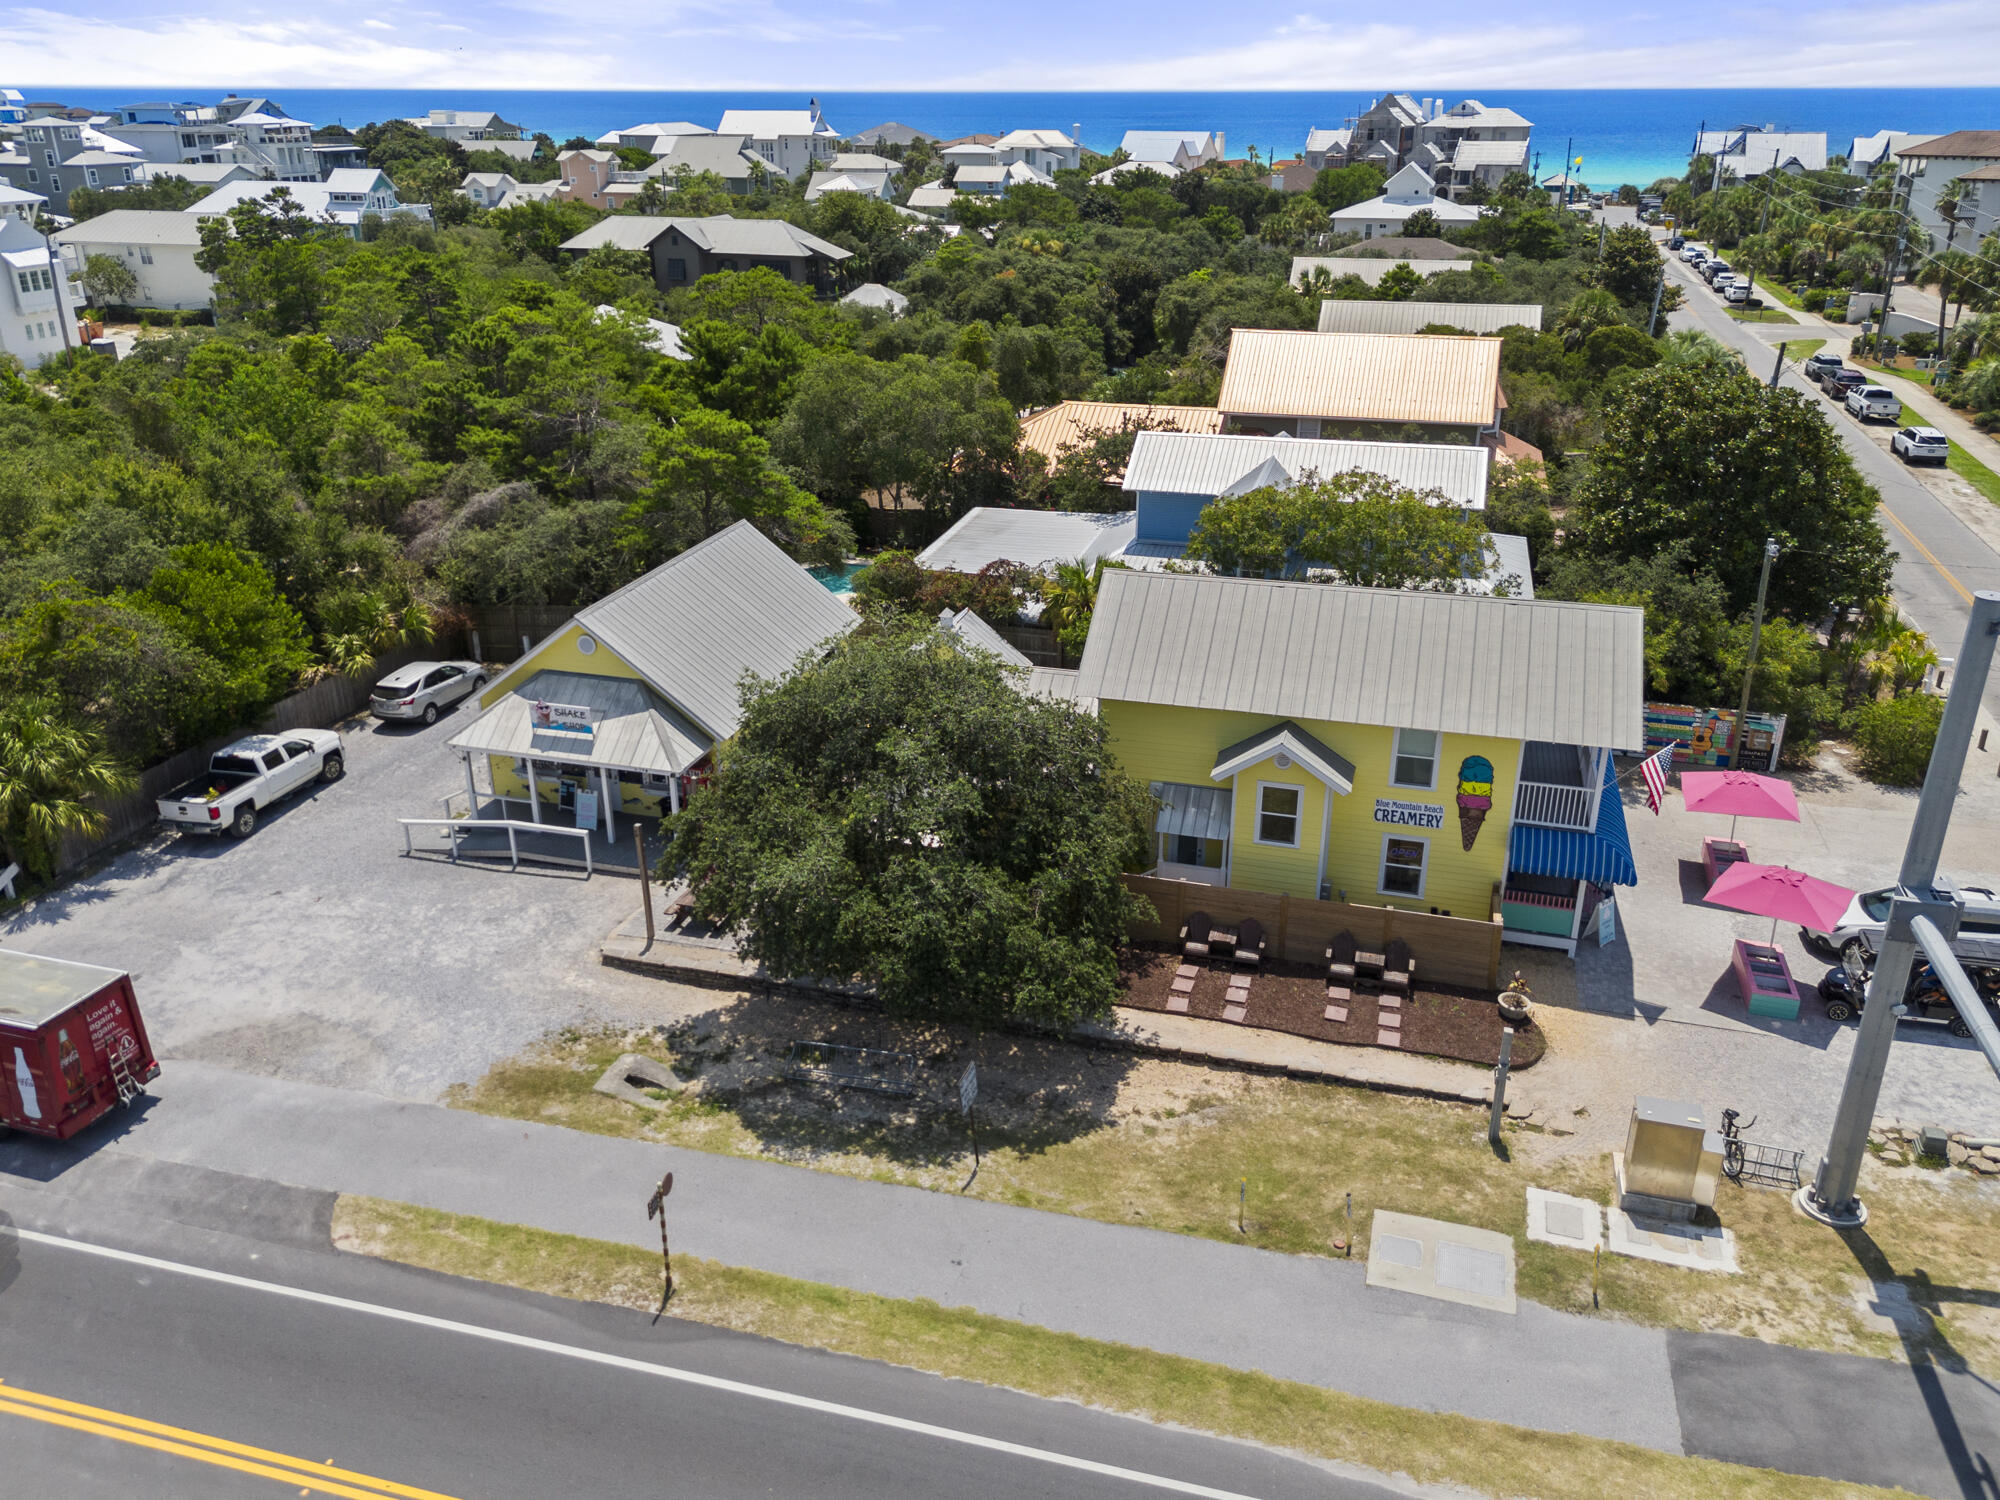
(1654, 770)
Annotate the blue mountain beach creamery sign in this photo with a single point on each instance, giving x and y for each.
(1409, 814)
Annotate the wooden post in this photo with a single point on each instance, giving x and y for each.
(645, 885)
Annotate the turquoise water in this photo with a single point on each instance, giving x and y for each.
(839, 580)
(1623, 135)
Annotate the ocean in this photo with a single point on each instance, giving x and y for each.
(1623, 135)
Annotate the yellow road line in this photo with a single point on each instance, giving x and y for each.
(1929, 556)
(261, 1462)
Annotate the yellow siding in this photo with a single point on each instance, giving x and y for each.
(509, 783)
(1156, 742)
(560, 655)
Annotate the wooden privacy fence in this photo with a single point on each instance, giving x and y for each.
(1448, 950)
(501, 626)
(325, 702)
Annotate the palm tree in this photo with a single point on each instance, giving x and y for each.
(48, 771)
(1587, 312)
(1069, 597)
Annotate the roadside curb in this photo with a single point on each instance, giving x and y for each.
(723, 971)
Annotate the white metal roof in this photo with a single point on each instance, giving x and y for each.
(134, 226)
(1459, 663)
(1376, 210)
(1490, 154)
(972, 632)
(1358, 315)
(636, 730)
(1370, 269)
(696, 624)
(766, 124)
(34, 989)
(874, 294)
(1034, 538)
(1200, 463)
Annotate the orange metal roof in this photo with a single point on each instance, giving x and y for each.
(1362, 377)
(1057, 429)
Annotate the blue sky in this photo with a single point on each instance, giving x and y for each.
(1032, 44)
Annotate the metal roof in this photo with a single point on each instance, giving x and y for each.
(719, 234)
(1459, 663)
(636, 729)
(1059, 685)
(1197, 812)
(1489, 154)
(768, 123)
(721, 154)
(1370, 269)
(1362, 377)
(1354, 315)
(968, 629)
(1055, 430)
(35, 989)
(620, 232)
(1192, 463)
(135, 226)
(1968, 145)
(698, 622)
(1035, 538)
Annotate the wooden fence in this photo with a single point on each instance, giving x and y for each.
(1448, 950)
(500, 627)
(1036, 642)
(325, 702)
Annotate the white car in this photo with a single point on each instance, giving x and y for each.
(1920, 445)
(1859, 932)
(1738, 290)
(424, 689)
(1870, 402)
(1693, 254)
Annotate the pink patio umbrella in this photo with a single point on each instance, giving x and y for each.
(1783, 895)
(1741, 794)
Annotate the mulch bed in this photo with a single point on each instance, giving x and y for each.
(1441, 1020)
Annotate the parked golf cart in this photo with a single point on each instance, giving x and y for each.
(1844, 992)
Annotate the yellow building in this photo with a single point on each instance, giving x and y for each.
(616, 710)
(1448, 753)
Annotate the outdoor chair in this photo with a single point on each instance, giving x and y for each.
(1194, 934)
(1250, 943)
(1340, 958)
(1397, 964)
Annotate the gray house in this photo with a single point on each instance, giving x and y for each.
(685, 250)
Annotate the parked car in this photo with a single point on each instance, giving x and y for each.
(1710, 269)
(1920, 445)
(424, 689)
(1694, 255)
(1837, 383)
(1819, 365)
(1872, 403)
(1858, 934)
(1844, 992)
(245, 778)
(1738, 290)
(1676, 241)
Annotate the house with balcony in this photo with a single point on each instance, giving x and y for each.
(787, 141)
(1926, 168)
(1411, 191)
(1182, 150)
(1371, 387)
(683, 250)
(466, 126)
(1448, 753)
(349, 195)
(37, 308)
(1047, 151)
(158, 246)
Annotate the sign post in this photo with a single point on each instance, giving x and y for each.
(968, 1096)
(1500, 1085)
(656, 1208)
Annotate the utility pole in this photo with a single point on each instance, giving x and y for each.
(1750, 667)
(1831, 1197)
(1948, 210)
(1777, 366)
(59, 283)
(1659, 291)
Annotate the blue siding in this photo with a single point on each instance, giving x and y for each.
(1166, 517)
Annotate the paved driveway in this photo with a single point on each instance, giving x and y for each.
(316, 951)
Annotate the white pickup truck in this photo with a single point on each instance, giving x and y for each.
(248, 776)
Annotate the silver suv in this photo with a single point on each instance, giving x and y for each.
(1858, 935)
(424, 689)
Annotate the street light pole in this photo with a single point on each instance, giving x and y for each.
(58, 283)
(1831, 1196)
(1756, 639)
(1948, 210)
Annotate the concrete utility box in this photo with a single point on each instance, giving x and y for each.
(1672, 1160)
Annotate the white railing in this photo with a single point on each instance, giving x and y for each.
(455, 826)
(1554, 806)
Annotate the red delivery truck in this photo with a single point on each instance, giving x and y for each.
(72, 1044)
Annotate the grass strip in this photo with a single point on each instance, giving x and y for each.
(1974, 473)
(1915, 377)
(1800, 350)
(1761, 315)
(1782, 294)
(1431, 1447)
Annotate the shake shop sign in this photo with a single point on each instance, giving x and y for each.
(1409, 814)
(569, 718)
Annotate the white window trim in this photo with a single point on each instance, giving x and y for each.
(1423, 873)
(1298, 818)
(1396, 755)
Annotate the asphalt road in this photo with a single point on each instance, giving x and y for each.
(493, 1394)
(1941, 561)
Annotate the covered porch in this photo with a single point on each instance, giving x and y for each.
(1557, 876)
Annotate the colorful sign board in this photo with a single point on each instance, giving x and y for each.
(1409, 814)
(568, 718)
(1705, 736)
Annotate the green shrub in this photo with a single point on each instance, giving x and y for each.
(1987, 421)
(1895, 737)
(1813, 301)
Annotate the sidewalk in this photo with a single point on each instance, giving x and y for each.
(1295, 1317)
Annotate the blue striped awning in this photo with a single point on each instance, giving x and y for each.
(1603, 857)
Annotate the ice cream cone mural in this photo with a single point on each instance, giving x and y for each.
(1475, 796)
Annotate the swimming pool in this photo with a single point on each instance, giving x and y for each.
(839, 580)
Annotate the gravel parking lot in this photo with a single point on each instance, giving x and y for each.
(316, 951)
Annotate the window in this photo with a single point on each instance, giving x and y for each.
(297, 748)
(145, 255)
(1415, 763)
(677, 268)
(273, 759)
(1278, 815)
(1403, 865)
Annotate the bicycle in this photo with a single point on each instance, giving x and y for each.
(1732, 1145)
